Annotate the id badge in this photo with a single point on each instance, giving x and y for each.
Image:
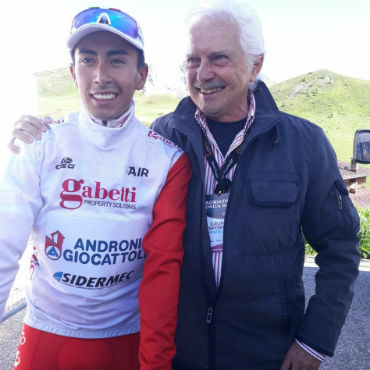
(216, 209)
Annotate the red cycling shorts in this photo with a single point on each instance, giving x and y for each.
(39, 350)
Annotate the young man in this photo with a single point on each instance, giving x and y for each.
(100, 194)
(260, 177)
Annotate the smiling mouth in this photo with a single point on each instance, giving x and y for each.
(104, 96)
(209, 87)
(210, 90)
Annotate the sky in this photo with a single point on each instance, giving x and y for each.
(300, 36)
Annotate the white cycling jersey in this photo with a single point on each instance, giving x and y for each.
(85, 192)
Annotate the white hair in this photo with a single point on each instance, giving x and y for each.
(247, 21)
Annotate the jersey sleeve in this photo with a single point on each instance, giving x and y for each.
(20, 201)
(159, 289)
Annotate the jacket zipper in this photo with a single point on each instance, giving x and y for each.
(209, 315)
(340, 202)
(211, 339)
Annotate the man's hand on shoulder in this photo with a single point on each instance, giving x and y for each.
(27, 129)
(299, 359)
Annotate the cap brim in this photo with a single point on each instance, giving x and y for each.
(86, 29)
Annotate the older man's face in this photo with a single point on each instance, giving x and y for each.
(217, 71)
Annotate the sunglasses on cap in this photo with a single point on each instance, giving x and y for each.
(115, 18)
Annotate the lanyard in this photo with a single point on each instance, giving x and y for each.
(223, 183)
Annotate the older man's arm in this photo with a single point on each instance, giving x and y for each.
(27, 129)
(298, 358)
(330, 224)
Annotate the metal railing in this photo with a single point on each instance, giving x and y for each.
(17, 296)
(15, 303)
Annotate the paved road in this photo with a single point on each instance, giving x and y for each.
(353, 350)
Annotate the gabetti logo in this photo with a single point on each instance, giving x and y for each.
(80, 281)
(75, 193)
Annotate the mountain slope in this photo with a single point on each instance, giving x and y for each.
(339, 104)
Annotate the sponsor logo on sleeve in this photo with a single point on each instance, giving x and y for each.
(34, 261)
(156, 137)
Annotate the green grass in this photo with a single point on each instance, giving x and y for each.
(339, 104)
(58, 106)
(57, 82)
(148, 108)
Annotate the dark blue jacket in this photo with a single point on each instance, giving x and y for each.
(286, 181)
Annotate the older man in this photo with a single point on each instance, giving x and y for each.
(260, 177)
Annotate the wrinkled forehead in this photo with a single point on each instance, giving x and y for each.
(212, 34)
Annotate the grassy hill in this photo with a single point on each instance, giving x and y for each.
(339, 104)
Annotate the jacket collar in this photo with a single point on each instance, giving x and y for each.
(267, 115)
(187, 124)
(266, 118)
(267, 112)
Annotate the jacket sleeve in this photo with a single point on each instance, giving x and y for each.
(330, 224)
(20, 200)
(159, 289)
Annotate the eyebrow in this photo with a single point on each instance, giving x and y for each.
(109, 53)
(117, 52)
(220, 52)
(210, 55)
(87, 51)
